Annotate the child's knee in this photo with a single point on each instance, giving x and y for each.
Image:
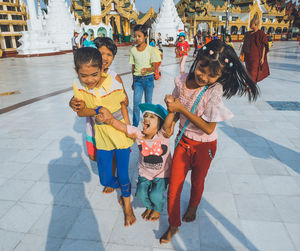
(156, 197)
(141, 191)
(105, 179)
(136, 104)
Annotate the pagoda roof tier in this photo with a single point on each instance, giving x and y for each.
(189, 8)
(123, 8)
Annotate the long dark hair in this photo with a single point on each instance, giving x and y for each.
(221, 57)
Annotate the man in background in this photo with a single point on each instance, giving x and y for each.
(75, 44)
(82, 39)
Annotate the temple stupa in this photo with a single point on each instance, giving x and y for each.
(60, 24)
(167, 22)
(36, 40)
(96, 28)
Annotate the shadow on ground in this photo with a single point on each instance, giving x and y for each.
(207, 232)
(79, 127)
(284, 67)
(69, 219)
(285, 155)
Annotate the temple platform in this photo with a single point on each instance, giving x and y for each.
(50, 196)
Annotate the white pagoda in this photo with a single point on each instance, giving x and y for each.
(60, 24)
(96, 27)
(53, 32)
(36, 40)
(167, 22)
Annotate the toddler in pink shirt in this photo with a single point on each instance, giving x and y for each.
(154, 154)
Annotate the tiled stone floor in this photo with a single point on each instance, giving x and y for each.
(50, 197)
(285, 105)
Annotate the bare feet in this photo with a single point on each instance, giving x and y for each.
(167, 236)
(108, 190)
(154, 216)
(128, 211)
(190, 214)
(146, 214)
(129, 217)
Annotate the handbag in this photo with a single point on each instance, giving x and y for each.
(192, 111)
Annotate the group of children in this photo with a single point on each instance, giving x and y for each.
(196, 102)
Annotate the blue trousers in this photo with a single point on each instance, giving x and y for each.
(104, 161)
(142, 84)
(151, 192)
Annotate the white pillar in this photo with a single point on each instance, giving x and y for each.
(32, 22)
(95, 12)
(39, 9)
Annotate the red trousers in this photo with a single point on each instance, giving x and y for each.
(188, 153)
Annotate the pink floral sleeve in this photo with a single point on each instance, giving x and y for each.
(179, 81)
(215, 110)
(175, 92)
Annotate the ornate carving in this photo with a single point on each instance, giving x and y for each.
(195, 11)
(95, 20)
(124, 8)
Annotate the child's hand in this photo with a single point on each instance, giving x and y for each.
(104, 116)
(76, 104)
(262, 60)
(125, 101)
(144, 71)
(99, 118)
(169, 99)
(175, 106)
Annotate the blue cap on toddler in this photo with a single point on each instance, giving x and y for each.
(155, 109)
(181, 34)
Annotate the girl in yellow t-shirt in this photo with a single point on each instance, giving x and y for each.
(98, 90)
(108, 50)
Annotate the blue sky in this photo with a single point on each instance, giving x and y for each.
(141, 5)
(144, 5)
